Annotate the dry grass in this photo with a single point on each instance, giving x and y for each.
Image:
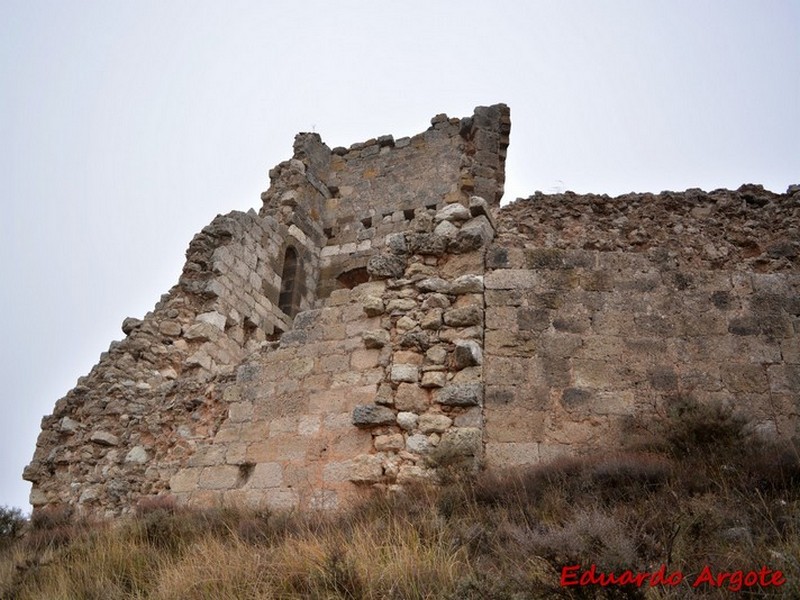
(684, 503)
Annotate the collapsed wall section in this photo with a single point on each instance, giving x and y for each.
(605, 314)
(141, 412)
(332, 341)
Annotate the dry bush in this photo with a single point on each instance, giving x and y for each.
(12, 522)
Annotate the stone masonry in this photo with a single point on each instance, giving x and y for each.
(382, 317)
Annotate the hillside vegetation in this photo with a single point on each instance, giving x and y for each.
(700, 501)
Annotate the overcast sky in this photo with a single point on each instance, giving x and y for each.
(126, 126)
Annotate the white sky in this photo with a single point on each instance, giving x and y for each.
(125, 127)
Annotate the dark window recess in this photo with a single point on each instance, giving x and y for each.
(328, 231)
(408, 214)
(289, 299)
(367, 223)
(353, 277)
(430, 206)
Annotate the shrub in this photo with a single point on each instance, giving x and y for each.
(51, 527)
(11, 523)
(692, 427)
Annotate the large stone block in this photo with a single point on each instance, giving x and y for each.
(411, 398)
(220, 477)
(465, 441)
(266, 475)
(464, 394)
(371, 415)
(386, 266)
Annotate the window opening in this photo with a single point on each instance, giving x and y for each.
(288, 300)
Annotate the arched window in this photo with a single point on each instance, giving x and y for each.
(289, 299)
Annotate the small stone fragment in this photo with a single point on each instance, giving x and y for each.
(396, 242)
(373, 306)
(212, 318)
(404, 373)
(104, 438)
(434, 423)
(67, 425)
(170, 328)
(137, 455)
(389, 443)
(434, 284)
(433, 379)
(375, 338)
(418, 443)
(130, 324)
(467, 284)
(432, 320)
(407, 420)
(453, 212)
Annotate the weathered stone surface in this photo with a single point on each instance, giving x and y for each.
(104, 438)
(219, 477)
(411, 398)
(466, 441)
(130, 324)
(367, 468)
(370, 415)
(137, 455)
(434, 284)
(418, 443)
(404, 373)
(170, 328)
(375, 338)
(434, 423)
(453, 212)
(212, 318)
(201, 332)
(373, 306)
(465, 394)
(426, 244)
(463, 317)
(433, 379)
(389, 443)
(467, 353)
(266, 475)
(467, 284)
(407, 420)
(386, 266)
(396, 243)
(400, 305)
(67, 425)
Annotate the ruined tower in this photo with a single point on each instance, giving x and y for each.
(381, 316)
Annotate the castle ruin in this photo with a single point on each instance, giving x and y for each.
(382, 316)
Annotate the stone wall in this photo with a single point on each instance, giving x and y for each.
(374, 388)
(141, 412)
(428, 327)
(602, 312)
